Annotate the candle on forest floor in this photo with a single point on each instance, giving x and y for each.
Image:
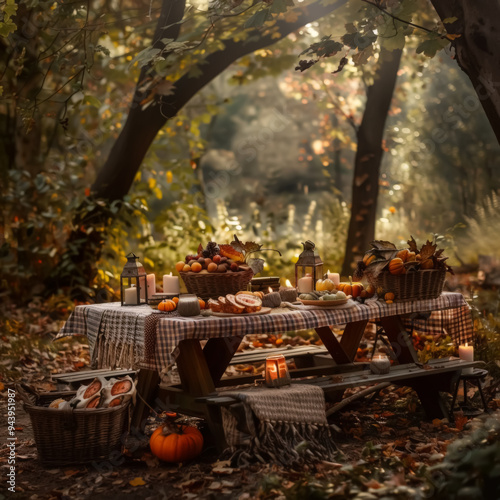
(305, 284)
(130, 295)
(171, 284)
(335, 277)
(466, 352)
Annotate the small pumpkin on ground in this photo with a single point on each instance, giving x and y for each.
(176, 443)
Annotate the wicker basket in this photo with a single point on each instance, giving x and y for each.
(70, 437)
(213, 285)
(414, 285)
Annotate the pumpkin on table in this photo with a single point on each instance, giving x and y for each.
(167, 305)
(176, 443)
(353, 288)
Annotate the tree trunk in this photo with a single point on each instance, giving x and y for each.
(115, 178)
(365, 184)
(476, 48)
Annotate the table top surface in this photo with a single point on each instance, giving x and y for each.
(166, 330)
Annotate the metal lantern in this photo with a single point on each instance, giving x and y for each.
(277, 373)
(309, 268)
(133, 283)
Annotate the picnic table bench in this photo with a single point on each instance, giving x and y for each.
(203, 347)
(442, 374)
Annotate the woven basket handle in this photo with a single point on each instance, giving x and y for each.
(28, 394)
(69, 420)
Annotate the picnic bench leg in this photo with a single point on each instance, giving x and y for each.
(431, 400)
(218, 353)
(197, 380)
(147, 387)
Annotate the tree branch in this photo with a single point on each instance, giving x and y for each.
(409, 23)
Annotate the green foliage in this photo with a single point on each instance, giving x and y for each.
(8, 10)
(471, 467)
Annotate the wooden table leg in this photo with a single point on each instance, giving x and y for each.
(351, 338)
(333, 345)
(402, 345)
(197, 380)
(218, 354)
(400, 340)
(147, 387)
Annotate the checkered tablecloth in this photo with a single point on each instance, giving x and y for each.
(450, 312)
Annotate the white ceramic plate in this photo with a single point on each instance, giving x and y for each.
(325, 303)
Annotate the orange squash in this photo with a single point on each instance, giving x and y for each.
(389, 297)
(202, 303)
(167, 305)
(427, 264)
(403, 254)
(176, 444)
(351, 288)
(397, 266)
(368, 259)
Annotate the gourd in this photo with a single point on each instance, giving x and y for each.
(167, 305)
(397, 266)
(351, 288)
(389, 298)
(368, 259)
(173, 443)
(427, 264)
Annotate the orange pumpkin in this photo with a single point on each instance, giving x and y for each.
(403, 254)
(397, 266)
(427, 264)
(202, 303)
(351, 288)
(389, 297)
(173, 444)
(167, 305)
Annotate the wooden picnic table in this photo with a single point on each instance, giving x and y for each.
(203, 347)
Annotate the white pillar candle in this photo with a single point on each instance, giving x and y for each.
(171, 283)
(151, 285)
(130, 295)
(335, 277)
(142, 282)
(466, 352)
(305, 284)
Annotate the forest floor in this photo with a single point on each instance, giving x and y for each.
(386, 446)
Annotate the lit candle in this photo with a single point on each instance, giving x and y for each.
(335, 277)
(151, 285)
(130, 295)
(466, 352)
(142, 283)
(288, 293)
(271, 299)
(380, 364)
(170, 284)
(277, 371)
(305, 284)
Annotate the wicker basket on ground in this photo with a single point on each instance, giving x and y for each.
(213, 285)
(70, 437)
(414, 285)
